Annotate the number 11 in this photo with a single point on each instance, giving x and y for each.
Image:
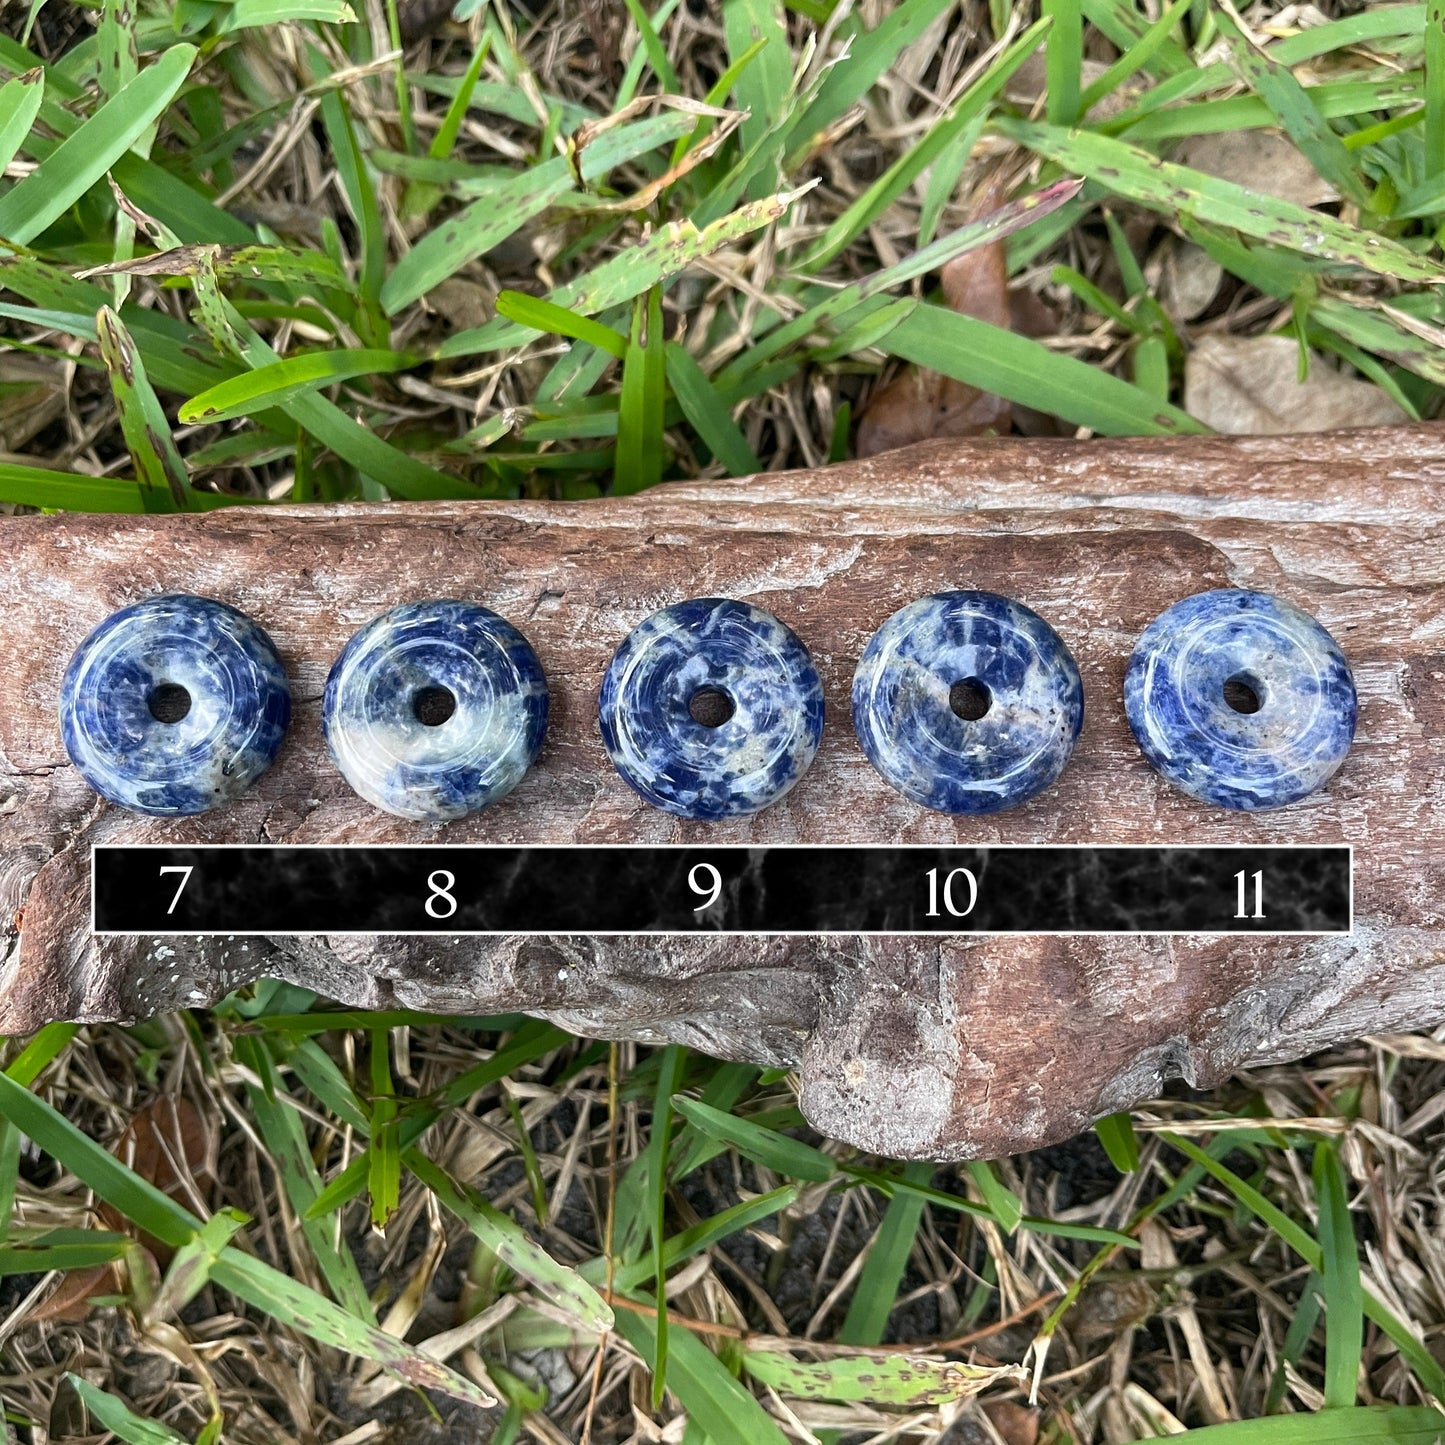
(1258, 896)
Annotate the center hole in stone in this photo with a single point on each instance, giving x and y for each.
(169, 702)
(710, 707)
(970, 699)
(433, 705)
(1241, 692)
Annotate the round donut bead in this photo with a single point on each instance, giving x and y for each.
(230, 705)
(1027, 702)
(1278, 662)
(384, 711)
(711, 646)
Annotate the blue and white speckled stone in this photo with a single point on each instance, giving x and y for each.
(683, 766)
(240, 705)
(907, 726)
(1174, 698)
(480, 753)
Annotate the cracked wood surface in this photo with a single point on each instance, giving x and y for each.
(942, 1047)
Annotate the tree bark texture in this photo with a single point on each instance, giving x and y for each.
(945, 1047)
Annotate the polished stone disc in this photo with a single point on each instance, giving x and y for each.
(1240, 699)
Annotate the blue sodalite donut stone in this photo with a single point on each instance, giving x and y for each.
(424, 772)
(746, 762)
(1174, 695)
(1011, 659)
(239, 705)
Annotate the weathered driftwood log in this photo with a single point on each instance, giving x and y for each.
(947, 1047)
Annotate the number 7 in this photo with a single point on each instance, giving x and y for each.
(185, 872)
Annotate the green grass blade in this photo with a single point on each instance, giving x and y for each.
(717, 96)
(24, 1069)
(178, 206)
(1063, 60)
(906, 1382)
(461, 238)
(1344, 1316)
(84, 156)
(41, 1052)
(671, 249)
(870, 53)
(137, 1199)
(297, 1307)
(1301, 1327)
(119, 1419)
(789, 1157)
(530, 1163)
(450, 128)
(1025, 371)
(1134, 59)
(285, 1136)
(882, 1273)
(669, 1075)
(707, 412)
(19, 103)
(1334, 101)
(255, 14)
(9, 1181)
(1292, 106)
(70, 491)
(563, 1287)
(653, 48)
(160, 471)
(361, 197)
(692, 1148)
(1432, 1376)
(1382, 331)
(1178, 191)
(643, 401)
(912, 163)
(835, 309)
(725, 1412)
(1126, 27)
(1366, 1425)
(1434, 156)
(542, 315)
(1121, 1144)
(690, 1242)
(384, 1157)
(533, 1040)
(328, 424)
(762, 86)
(1003, 1203)
(891, 1184)
(119, 62)
(282, 381)
(319, 1072)
(34, 1254)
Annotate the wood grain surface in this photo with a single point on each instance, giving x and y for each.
(949, 1047)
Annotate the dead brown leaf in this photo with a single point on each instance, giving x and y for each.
(70, 1301)
(167, 1144)
(922, 404)
(1110, 1307)
(1247, 386)
(32, 395)
(1190, 281)
(1017, 1424)
(1259, 160)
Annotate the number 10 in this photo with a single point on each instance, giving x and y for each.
(1258, 896)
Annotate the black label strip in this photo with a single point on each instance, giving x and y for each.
(780, 889)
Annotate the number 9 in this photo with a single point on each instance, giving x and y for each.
(711, 888)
